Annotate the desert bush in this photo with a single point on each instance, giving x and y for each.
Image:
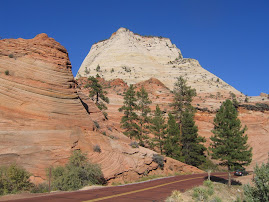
(210, 187)
(97, 148)
(175, 197)
(134, 144)
(158, 159)
(200, 194)
(6, 72)
(40, 188)
(78, 172)
(11, 56)
(14, 179)
(98, 68)
(96, 124)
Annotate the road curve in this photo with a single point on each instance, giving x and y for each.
(154, 190)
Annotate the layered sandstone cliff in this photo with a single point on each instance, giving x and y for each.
(256, 120)
(43, 116)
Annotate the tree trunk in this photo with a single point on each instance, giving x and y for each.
(208, 174)
(229, 179)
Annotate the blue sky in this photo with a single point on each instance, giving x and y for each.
(229, 38)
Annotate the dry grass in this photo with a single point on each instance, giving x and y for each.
(221, 193)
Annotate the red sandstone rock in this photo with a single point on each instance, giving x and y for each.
(45, 114)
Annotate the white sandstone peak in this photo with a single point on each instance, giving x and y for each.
(136, 58)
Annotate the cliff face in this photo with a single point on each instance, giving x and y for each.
(257, 122)
(135, 58)
(43, 116)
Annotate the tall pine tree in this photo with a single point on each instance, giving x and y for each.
(158, 128)
(229, 144)
(191, 148)
(171, 143)
(183, 95)
(130, 118)
(97, 94)
(143, 103)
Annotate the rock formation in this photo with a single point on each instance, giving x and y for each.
(255, 118)
(135, 58)
(44, 116)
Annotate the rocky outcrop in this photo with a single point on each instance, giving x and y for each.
(254, 115)
(44, 116)
(135, 58)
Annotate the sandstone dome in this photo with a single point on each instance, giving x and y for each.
(135, 58)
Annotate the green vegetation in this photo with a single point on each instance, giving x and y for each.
(229, 144)
(171, 144)
(11, 56)
(7, 72)
(260, 190)
(158, 159)
(97, 94)
(40, 188)
(78, 172)
(183, 96)
(96, 124)
(158, 128)
(134, 144)
(143, 103)
(97, 148)
(14, 179)
(192, 150)
(98, 68)
(130, 118)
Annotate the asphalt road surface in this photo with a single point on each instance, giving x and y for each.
(154, 190)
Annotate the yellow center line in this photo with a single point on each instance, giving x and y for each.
(145, 189)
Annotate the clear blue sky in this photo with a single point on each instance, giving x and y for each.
(230, 38)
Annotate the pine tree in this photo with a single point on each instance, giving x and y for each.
(143, 103)
(171, 144)
(97, 94)
(191, 148)
(229, 144)
(158, 128)
(130, 118)
(183, 95)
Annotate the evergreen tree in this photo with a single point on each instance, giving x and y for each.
(260, 190)
(171, 144)
(183, 95)
(158, 128)
(143, 103)
(229, 144)
(97, 94)
(192, 150)
(130, 118)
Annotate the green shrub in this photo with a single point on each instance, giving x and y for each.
(40, 188)
(7, 72)
(98, 68)
(14, 179)
(260, 190)
(199, 194)
(134, 144)
(11, 56)
(97, 148)
(96, 124)
(175, 196)
(216, 199)
(78, 172)
(158, 159)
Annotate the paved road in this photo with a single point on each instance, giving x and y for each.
(155, 190)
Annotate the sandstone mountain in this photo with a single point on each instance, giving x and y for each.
(155, 63)
(44, 116)
(134, 58)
